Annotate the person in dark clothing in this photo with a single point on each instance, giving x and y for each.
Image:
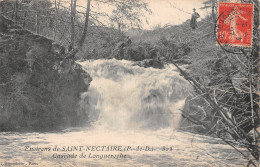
(194, 17)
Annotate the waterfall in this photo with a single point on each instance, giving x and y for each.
(123, 96)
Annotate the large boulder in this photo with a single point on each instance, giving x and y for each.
(39, 90)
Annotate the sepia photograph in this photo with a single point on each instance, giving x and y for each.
(129, 83)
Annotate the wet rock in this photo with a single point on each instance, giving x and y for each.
(37, 91)
(150, 63)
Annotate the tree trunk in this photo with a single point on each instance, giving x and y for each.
(254, 82)
(81, 42)
(72, 17)
(213, 3)
(56, 19)
(73, 52)
(15, 14)
(24, 19)
(37, 23)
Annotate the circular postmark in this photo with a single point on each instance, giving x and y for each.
(233, 30)
(246, 1)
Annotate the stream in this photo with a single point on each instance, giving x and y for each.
(134, 114)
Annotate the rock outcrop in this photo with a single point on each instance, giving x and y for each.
(150, 63)
(39, 89)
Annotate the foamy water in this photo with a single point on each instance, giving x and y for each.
(123, 96)
(130, 107)
(188, 150)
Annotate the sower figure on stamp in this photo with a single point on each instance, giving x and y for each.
(194, 17)
(232, 20)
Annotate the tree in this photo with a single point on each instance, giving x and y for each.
(126, 12)
(129, 14)
(68, 25)
(211, 4)
(73, 5)
(73, 52)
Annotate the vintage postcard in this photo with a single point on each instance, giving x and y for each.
(129, 83)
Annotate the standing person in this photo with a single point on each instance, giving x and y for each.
(194, 17)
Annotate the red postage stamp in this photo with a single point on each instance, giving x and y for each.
(235, 24)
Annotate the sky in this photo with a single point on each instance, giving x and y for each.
(163, 11)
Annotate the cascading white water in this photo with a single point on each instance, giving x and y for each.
(121, 101)
(123, 96)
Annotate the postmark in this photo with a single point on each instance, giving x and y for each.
(234, 26)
